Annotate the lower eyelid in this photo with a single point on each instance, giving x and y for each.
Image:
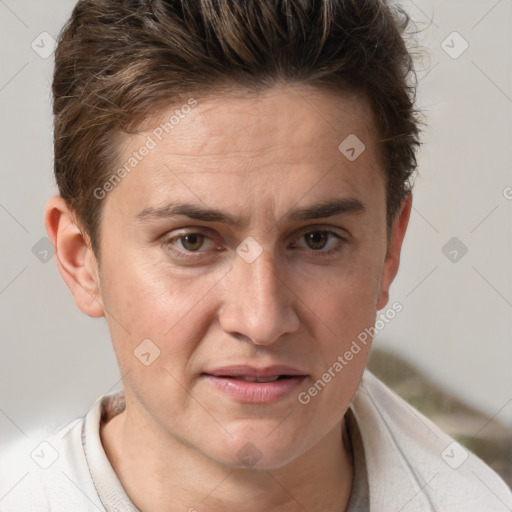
(172, 240)
(331, 233)
(180, 237)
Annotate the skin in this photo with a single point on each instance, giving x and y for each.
(175, 446)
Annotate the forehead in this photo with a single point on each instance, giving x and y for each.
(289, 117)
(263, 149)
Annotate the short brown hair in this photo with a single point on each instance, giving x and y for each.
(119, 62)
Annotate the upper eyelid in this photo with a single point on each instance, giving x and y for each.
(304, 229)
(298, 234)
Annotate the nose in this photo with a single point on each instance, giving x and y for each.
(258, 302)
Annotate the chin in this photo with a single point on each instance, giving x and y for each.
(247, 450)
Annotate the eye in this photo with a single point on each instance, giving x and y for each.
(192, 242)
(317, 241)
(188, 245)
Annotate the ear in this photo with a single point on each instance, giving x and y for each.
(75, 259)
(392, 261)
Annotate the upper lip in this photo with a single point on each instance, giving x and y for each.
(243, 370)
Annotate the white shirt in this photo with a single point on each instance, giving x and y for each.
(411, 464)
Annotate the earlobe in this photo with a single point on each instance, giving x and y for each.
(75, 259)
(392, 261)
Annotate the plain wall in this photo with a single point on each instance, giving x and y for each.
(456, 319)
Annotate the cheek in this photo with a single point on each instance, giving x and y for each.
(348, 311)
(346, 306)
(345, 298)
(145, 301)
(348, 314)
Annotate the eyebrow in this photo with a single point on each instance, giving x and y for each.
(320, 210)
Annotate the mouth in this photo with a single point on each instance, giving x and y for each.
(250, 385)
(255, 379)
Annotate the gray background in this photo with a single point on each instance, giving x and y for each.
(456, 322)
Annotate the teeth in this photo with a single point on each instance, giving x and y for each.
(267, 379)
(259, 379)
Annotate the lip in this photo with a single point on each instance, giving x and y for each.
(226, 379)
(244, 370)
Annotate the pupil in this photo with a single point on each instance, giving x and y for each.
(194, 240)
(317, 237)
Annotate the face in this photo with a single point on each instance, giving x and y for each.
(218, 249)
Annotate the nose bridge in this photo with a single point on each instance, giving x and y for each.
(264, 285)
(258, 304)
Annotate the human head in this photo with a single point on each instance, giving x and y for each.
(119, 63)
(256, 150)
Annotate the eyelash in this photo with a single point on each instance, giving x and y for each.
(195, 254)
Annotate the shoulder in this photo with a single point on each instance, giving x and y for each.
(49, 474)
(412, 463)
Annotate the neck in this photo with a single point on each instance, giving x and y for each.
(158, 472)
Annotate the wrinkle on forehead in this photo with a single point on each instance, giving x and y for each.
(263, 153)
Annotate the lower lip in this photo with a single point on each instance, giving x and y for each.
(256, 392)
